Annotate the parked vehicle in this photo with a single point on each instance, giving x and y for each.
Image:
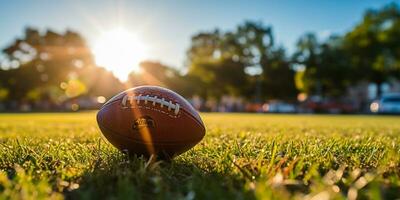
(254, 107)
(332, 106)
(387, 104)
(279, 107)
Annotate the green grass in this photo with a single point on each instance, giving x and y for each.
(243, 156)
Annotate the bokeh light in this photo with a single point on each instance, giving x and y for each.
(101, 99)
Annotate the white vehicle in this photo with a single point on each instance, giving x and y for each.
(279, 107)
(387, 104)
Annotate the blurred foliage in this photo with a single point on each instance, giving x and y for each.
(374, 45)
(155, 73)
(323, 67)
(3, 93)
(53, 68)
(369, 52)
(244, 62)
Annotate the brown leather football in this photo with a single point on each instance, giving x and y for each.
(150, 120)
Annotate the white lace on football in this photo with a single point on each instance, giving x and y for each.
(153, 100)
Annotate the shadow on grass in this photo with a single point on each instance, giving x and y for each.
(122, 177)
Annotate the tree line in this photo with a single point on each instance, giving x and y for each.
(244, 62)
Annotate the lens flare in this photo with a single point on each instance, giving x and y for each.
(120, 51)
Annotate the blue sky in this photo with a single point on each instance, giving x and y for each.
(166, 26)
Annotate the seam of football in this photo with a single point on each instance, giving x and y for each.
(155, 108)
(154, 99)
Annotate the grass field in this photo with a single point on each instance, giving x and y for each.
(243, 156)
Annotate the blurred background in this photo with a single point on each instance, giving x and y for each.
(223, 56)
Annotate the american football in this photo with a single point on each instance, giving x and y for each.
(150, 120)
(198, 100)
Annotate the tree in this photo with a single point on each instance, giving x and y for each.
(216, 64)
(374, 45)
(324, 68)
(155, 73)
(47, 67)
(335, 71)
(220, 77)
(243, 62)
(278, 77)
(306, 56)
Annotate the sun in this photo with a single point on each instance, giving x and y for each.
(120, 51)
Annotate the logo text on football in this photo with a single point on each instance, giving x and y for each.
(143, 122)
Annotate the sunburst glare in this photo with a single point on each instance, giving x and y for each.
(120, 51)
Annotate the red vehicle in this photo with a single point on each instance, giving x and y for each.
(328, 106)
